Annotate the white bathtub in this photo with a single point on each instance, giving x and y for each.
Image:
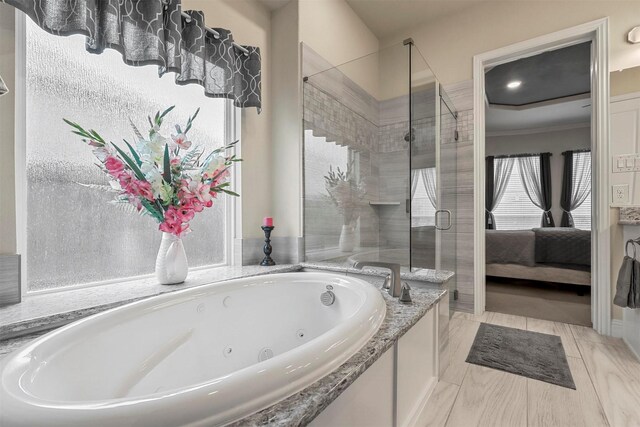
(191, 357)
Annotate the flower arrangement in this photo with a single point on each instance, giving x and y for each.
(168, 179)
(345, 191)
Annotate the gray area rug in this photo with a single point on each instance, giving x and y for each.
(530, 354)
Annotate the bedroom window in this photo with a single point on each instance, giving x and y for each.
(516, 211)
(582, 173)
(74, 237)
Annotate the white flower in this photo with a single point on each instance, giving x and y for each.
(181, 140)
(215, 164)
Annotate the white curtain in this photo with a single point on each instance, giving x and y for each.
(429, 180)
(581, 185)
(530, 176)
(502, 168)
(415, 177)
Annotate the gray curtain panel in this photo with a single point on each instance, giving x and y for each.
(155, 32)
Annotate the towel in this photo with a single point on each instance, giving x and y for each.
(625, 279)
(634, 289)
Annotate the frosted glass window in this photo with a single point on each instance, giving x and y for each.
(74, 236)
(516, 211)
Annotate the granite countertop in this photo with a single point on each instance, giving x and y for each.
(46, 311)
(629, 215)
(301, 408)
(422, 275)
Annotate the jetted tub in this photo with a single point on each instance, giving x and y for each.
(203, 356)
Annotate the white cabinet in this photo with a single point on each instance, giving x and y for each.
(417, 369)
(394, 390)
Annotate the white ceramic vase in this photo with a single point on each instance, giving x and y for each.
(347, 238)
(171, 263)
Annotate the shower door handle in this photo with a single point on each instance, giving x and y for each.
(448, 212)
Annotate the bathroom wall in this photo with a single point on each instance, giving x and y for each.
(552, 142)
(337, 34)
(625, 81)
(250, 23)
(7, 181)
(286, 153)
(451, 42)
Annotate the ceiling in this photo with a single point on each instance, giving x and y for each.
(554, 91)
(550, 75)
(387, 17)
(562, 114)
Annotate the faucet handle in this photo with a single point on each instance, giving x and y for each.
(405, 295)
(387, 282)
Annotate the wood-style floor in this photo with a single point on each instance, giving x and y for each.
(606, 374)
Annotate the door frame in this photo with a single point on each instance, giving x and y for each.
(598, 33)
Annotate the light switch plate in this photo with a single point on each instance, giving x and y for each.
(620, 194)
(626, 163)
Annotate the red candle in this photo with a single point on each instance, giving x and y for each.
(267, 221)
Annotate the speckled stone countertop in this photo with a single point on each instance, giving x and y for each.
(629, 215)
(51, 310)
(422, 275)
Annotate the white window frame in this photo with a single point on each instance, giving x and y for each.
(233, 216)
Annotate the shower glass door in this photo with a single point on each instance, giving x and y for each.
(433, 172)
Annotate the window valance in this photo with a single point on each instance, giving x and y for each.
(156, 32)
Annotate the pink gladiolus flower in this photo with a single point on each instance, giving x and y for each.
(190, 190)
(114, 166)
(176, 229)
(219, 176)
(187, 213)
(174, 222)
(181, 141)
(142, 189)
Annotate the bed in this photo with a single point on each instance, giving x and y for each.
(553, 254)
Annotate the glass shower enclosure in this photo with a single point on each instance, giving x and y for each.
(379, 161)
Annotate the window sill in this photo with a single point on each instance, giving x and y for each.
(46, 311)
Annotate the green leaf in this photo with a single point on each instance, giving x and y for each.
(167, 111)
(150, 207)
(231, 193)
(134, 167)
(133, 153)
(166, 173)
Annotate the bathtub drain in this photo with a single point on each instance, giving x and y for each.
(265, 354)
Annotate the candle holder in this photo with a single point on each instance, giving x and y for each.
(267, 246)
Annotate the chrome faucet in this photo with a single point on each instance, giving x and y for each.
(395, 289)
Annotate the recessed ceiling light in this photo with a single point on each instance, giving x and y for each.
(514, 84)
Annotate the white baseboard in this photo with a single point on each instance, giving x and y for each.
(616, 328)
